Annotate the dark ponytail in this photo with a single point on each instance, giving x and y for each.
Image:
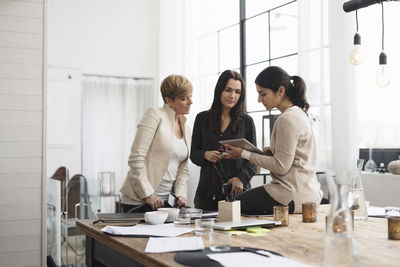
(297, 92)
(273, 77)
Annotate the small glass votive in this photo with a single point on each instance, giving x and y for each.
(183, 219)
(194, 213)
(281, 213)
(339, 223)
(309, 212)
(203, 226)
(392, 212)
(394, 228)
(219, 241)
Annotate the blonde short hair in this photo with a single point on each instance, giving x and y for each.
(175, 85)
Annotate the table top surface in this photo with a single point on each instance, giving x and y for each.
(299, 241)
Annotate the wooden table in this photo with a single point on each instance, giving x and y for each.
(300, 241)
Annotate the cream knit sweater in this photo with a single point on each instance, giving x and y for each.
(294, 160)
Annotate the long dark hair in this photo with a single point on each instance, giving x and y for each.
(273, 77)
(214, 117)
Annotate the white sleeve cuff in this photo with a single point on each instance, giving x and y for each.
(245, 154)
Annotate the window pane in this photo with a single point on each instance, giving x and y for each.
(229, 48)
(192, 54)
(251, 94)
(207, 87)
(284, 30)
(258, 118)
(321, 124)
(254, 7)
(220, 13)
(206, 16)
(209, 54)
(257, 47)
(196, 98)
(289, 64)
(325, 79)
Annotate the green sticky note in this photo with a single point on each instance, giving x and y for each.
(257, 230)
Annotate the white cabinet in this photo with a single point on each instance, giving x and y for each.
(381, 189)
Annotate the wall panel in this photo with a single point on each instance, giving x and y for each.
(21, 124)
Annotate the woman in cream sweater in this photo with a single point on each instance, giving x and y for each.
(160, 151)
(292, 158)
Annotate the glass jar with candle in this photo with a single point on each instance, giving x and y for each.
(356, 199)
(339, 248)
(107, 180)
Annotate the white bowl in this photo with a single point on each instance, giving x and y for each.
(172, 213)
(155, 217)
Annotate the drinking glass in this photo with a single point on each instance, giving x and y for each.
(183, 219)
(356, 197)
(203, 226)
(219, 241)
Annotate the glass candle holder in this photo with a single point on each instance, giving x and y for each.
(392, 212)
(309, 212)
(281, 213)
(339, 224)
(394, 228)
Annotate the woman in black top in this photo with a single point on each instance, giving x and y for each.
(225, 120)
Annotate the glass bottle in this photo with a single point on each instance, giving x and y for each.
(339, 248)
(356, 199)
(370, 166)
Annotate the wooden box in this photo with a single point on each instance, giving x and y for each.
(229, 211)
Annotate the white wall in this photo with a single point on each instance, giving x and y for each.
(171, 37)
(119, 37)
(21, 122)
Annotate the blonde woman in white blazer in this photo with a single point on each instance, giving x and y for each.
(160, 151)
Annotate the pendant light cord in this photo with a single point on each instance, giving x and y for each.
(383, 30)
(357, 19)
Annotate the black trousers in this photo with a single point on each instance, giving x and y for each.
(258, 201)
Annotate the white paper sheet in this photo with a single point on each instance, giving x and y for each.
(376, 211)
(169, 244)
(240, 259)
(165, 230)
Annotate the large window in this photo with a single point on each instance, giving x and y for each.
(212, 45)
(270, 37)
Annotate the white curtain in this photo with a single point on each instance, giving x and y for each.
(111, 108)
(314, 68)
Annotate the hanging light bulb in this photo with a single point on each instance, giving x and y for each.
(356, 56)
(382, 77)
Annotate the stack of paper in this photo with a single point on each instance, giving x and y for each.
(119, 219)
(166, 230)
(169, 244)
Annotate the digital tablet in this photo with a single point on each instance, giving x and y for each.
(243, 143)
